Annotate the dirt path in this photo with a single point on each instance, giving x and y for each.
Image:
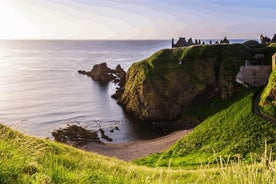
(137, 149)
(259, 113)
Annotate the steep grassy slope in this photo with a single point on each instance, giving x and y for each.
(268, 98)
(26, 159)
(233, 132)
(31, 160)
(163, 86)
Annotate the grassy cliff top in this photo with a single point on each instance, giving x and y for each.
(163, 86)
(166, 59)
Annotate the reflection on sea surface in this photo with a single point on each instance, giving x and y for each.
(40, 89)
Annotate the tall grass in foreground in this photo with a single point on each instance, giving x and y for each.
(241, 172)
(25, 159)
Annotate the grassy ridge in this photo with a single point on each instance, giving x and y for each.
(268, 104)
(233, 131)
(26, 159)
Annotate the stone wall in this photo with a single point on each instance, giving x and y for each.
(253, 75)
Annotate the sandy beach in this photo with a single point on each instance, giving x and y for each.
(132, 150)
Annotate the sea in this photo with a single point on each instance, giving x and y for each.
(41, 90)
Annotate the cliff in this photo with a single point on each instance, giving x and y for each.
(162, 86)
(230, 132)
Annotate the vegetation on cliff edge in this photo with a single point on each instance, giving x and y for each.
(233, 132)
(268, 97)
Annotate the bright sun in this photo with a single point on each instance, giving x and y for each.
(13, 23)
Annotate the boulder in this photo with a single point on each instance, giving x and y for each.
(251, 44)
(101, 73)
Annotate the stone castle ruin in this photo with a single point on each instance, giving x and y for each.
(267, 40)
(182, 42)
(255, 76)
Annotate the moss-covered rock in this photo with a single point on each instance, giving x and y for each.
(162, 86)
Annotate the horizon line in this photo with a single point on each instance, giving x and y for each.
(89, 39)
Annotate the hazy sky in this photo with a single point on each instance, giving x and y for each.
(136, 19)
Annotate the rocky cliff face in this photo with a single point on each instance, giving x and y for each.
(163, 86)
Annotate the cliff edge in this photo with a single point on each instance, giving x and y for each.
(268, 97)
(165, 85)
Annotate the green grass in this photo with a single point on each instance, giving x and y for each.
(173, 78)
(266, 104)
(27, 159)
(230, 129)
(272, 45)
(227, 147)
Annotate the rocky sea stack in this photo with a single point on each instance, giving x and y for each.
(103, 74)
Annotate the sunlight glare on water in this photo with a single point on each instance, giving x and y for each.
(40, 89)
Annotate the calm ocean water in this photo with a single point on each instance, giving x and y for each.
(40, 89)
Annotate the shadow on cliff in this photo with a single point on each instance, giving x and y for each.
(196, 114)
(145, 129)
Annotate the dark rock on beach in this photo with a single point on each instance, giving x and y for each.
(103, 136)
(75, 135)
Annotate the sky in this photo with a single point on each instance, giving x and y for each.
(136, 19)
